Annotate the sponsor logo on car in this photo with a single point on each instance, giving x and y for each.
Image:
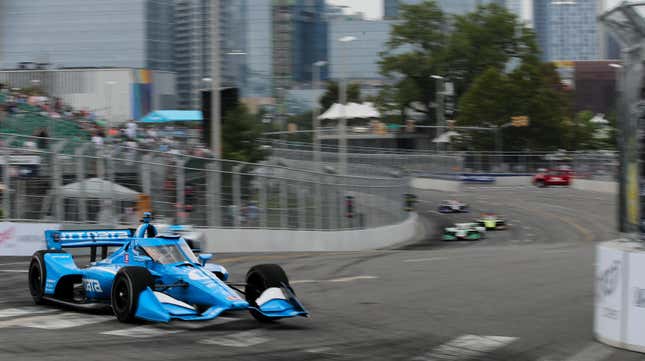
(92, 285)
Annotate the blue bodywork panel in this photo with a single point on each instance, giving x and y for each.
(183, 288)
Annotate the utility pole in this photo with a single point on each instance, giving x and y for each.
(315, 85)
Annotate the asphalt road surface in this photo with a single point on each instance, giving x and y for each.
(521, 294)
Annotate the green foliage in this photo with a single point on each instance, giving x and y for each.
(332, 92)
(461, 48)
(240, 129)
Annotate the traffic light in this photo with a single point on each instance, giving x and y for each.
(349, 206)
(410, 201)
(520, 121)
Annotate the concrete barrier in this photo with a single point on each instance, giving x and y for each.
(619, 316)
(262, 240)
(433, 184)
(595, 186)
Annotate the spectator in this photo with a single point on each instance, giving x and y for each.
(97, 139)
(42, 138)
(131, 130)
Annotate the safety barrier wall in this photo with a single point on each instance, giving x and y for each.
(255, 240)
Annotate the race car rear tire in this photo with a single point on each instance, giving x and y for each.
(260, 278)
(128, 284)
(540, 184)
(38, 275)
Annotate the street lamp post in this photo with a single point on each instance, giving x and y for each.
(215, 136)
(315, 84)
(439, 106)
(342, 135)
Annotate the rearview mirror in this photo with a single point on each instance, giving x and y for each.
(205, 257)
(142, 259)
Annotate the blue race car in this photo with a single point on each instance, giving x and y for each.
(155, 279)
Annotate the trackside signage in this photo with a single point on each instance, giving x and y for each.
(609, 292)
(23, 239)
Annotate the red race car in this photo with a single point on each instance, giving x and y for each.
(553, 177)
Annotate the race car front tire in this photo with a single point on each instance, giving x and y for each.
(260, 278)
(38, 275)
(128, 285)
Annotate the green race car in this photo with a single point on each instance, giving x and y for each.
(491, 222)
(464, 232)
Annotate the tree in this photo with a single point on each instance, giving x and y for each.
(240, 131)
(413, 53)
(427, 42)
(332, 92)
(487, 38)
(534, 90)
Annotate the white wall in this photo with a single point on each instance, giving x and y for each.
(261, 240)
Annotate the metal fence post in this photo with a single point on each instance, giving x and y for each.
(213, 189)
(284, 203)
(262, 184)
(6, 179)
(237, 195)
(114, 202)
(302, 212)
(146, 179)
(332, 207)
(180, 189)
(57, 182)
(317, 204)
(80, 178)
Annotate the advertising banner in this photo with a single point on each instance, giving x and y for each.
(636, 300)
(23, 239)
(610, 270)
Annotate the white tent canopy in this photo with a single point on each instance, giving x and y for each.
(351, 111)
(97, 188)
(445, 137)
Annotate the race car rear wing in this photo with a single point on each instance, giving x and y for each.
(88, 238)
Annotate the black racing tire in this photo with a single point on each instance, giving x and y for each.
(540, 184)
(260, 278)
(128, 284)
(38, 275)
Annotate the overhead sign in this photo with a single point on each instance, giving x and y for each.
(520, 121)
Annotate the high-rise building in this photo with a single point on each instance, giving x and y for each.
(192, 48)
(358, 59)
(568, 30)
(454, 7)
(87, 33)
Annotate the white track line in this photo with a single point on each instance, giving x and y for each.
(466, 347)
(141, 332)
(15, 264)
(424, 259)
(24, 311)
(593, 352)
(238, 339)
(336, 280)
(56, 322)
(14, 271)
(350, 279)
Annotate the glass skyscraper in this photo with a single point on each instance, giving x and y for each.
(455, 7)
(568, 30)
(87, 33)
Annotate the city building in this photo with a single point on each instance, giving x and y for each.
(455, 7)
(192, 45)
(358, 59)
(87, 33)
(595, 86)
(114, 94)
(568, 30)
